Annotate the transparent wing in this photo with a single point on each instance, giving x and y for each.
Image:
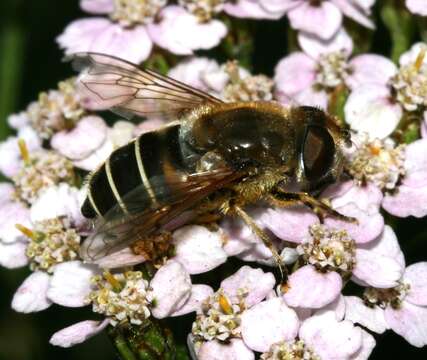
(117, 230)
(113, 83)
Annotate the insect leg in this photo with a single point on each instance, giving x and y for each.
(263, 236)
(320, 208)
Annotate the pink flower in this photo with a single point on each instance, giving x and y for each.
(402, 309)
(182, 32)
(324, 334)
(169, 293)
(198, 249)
(132, 28)
(324, 19)
(359, 248)
(418, 7)
(124, 34)
(410, 197)
(195, 72)
(229, 316)
(382, 92)
(87, 145)
(308, 77)
(12, 242)
(257, 9)
(10, 155)
(394, 175)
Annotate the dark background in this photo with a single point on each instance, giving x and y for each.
(30, 62)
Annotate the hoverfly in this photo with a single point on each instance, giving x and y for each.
(213, 160)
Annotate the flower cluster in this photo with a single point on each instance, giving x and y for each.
(306, 314)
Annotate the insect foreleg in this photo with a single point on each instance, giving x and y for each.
(281, 198)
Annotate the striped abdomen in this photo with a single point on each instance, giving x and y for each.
(146, 164)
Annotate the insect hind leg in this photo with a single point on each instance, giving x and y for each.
(263, 237)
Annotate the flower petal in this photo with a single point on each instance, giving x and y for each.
(97, 6)
(255, 281)
(171, 289)
(324, 20)
(12, 213)
(406, 202)
(199, 293)
(77, 333)
(71, 284)
(192, 71)
(6, 192)
(290, 223)
(253, 10)
(370, 68)
(31, 295)
(10, 156)
(369, 109)
(416, 164)
(234, 350)
(103, 36)
(315, 46)
(13, 255)
(357, 312)
(198, 249)
(416, 276)
(268, 322)
(238, 236)
(380, 263)
(56, 201)
(329, 338)
(309, 288)
(410, 56)
(122, 258)
(294, 73)
(410, 322)
(370, 223)
(364, 197)
(95, 159)
(78, 143)
(356, 11)
(368, 344)
(181, 32)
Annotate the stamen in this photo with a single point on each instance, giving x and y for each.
(28, 232)
(115, 284)
(23, 149)
(225, 305)
(420, 59)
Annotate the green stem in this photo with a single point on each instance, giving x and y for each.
(401, 25)
(121, 345)
(11, 50)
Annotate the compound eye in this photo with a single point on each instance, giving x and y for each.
(318, 152)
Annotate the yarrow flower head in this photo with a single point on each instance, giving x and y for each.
(248, 88)
(328, 249)
(122, 297)
(410, 84)
(220, 317)
(134, 12)
(40, 171)
(290, 350)
(52, 241)
(203, 9)
(380, 162)
(56, 110)
(386, 297)
(332, 69)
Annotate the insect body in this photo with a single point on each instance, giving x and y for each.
(216, 158)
